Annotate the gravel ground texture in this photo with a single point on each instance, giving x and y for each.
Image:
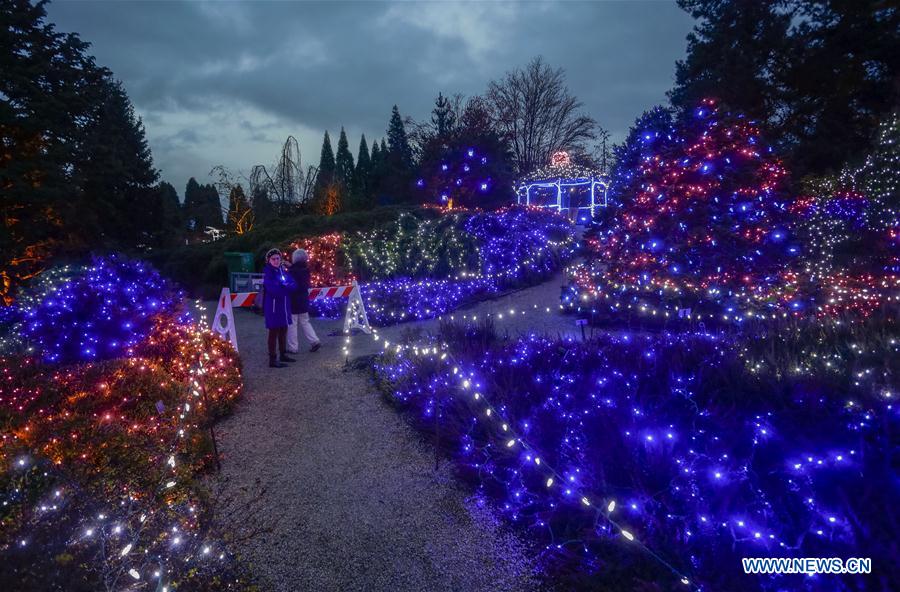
(335, 492)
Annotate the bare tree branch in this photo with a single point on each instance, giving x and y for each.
(534, 110)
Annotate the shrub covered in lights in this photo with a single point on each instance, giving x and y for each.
(653, 131)
(642, 462)
(464, 161)
(708, 214)
(421, 268)
(100, 312)
(852, 220)
(466, 178)
(504, 249)
(708, 231)
(101, 459)
(413, 248)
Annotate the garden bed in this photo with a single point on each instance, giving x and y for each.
(416, 269)
(107, 405)
(649, 461)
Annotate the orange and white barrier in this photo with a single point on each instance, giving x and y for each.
(355, 318)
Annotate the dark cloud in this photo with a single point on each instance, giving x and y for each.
(226, 82)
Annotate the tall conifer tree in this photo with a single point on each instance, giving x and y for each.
(325, 176)
(361, 196)
(343, 170)
(193, 195)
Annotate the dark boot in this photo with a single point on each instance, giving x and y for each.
(274, 363)
(285, 358)
(315, 347)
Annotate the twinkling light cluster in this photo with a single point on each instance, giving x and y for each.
(710, 234)
(389, 302)
(879, 177)
(325, 259)
(851, 220)
(420, 269)
(512, 247)
(461, 179)
(12, 322)
(665, 459)
(100, 312)
(563, 186)
(827, 221)
(413, 248)
(100, 460)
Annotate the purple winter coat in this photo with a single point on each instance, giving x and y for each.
(277, 287)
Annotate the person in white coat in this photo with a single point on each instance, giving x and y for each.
(299, 271)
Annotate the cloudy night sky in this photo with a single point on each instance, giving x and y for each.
(227, 82)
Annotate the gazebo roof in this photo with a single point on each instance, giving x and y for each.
(560, 168)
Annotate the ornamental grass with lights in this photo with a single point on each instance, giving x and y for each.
(105, 418)
(634, 461)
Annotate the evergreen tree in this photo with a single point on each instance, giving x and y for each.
(170, 222)
(374, 176)
(470, 166)
(397, 180)
(360, 195)
(817, 74)
(240, 214)
(212, 207)
(117, 174)
(708, 219)
(202, 206)
(343, 161)
(838, 80)
(729, 55)
(373, 161)
(193, 211)
(326, 173)
(398, 144)
(263, 208)
(52, 95)
(442, 117)
(382, 171)
(650, 134)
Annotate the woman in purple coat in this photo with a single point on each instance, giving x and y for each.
(277, 288)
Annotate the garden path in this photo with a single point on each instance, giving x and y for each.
(347, 491)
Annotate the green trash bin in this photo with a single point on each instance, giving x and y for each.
(239, 262)
(239, 266)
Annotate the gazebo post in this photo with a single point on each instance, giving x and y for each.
(558, 196)
(592, 197)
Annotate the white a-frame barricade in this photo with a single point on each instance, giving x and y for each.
(355, 317)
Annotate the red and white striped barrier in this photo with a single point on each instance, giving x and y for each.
(332, 292)
(356, 318)
(243, 299)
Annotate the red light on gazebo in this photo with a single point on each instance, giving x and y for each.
(560, 158)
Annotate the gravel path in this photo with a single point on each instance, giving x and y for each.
(346, 492)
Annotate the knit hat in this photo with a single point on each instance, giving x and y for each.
(299, 255)
(271, 252)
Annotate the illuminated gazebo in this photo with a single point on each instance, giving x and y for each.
(568, 188)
